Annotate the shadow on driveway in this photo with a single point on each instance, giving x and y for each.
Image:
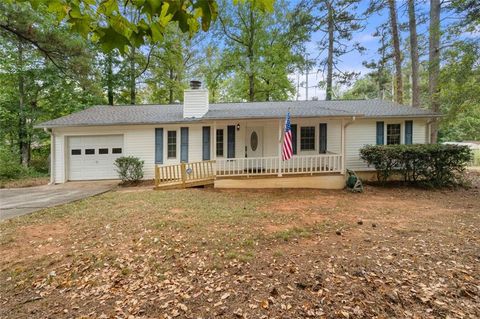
(20, 201)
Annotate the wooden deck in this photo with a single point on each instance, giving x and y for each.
(184, 175)
(205, 172)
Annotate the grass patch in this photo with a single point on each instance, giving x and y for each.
(293, 233)
(242, 256)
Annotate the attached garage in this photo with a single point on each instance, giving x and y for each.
(93, 157)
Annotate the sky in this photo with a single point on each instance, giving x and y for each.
(353, 61)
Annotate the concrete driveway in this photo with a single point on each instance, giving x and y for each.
(20, 201)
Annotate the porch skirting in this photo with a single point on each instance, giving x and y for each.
(330, 181)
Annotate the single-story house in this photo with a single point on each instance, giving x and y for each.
(242, 139)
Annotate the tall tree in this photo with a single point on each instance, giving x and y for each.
(109, 77)
(412, 23)
(29, 75)
(338, 21)
(260, 49)
(381, 67)
(460, 92)
(397, 54)
(23, 139)
(173, 62)
(434, 63)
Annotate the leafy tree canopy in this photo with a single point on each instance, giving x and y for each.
(107, 21)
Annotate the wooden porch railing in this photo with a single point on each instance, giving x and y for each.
(307, 164)
(184, 175)
(203, 173)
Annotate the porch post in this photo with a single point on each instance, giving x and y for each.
(279, 148)
(214, 141)
(214, 147)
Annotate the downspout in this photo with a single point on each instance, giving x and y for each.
(344, 142)
(52, 155)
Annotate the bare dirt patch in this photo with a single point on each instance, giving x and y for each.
(389, 252)
(34, 241)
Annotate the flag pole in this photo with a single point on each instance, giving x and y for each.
(280, 136)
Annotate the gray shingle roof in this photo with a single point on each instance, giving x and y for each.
(157, 114)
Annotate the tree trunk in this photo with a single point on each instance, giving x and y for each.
(414, 53)
(328, 96)
(22, 125)
(434, 64)
(398, 92)
(110, 77)
(251, 74)
(170, 89)
(133, 93)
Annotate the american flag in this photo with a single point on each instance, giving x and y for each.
(287, 147)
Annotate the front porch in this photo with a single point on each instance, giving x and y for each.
(270, 169)
(252, 150)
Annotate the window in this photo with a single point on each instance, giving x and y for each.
(103, 151)
(393, 133)
(90, 151)
(117, 150)
(172, 144)
(307, 138)
(220, 142)
(76, 152)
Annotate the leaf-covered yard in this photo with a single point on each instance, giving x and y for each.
(205, 253)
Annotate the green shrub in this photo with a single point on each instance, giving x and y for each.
(129, 168)
(10, 167)
(40, 160)
(436, 164)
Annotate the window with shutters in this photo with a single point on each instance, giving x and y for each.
(219, 142)
(307, 138)
(393, 134)
(172, 144)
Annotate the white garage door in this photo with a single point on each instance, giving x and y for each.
(92, 157)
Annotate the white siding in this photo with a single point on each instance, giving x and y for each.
(334, 136)
(195, 103)
(363, 132)
(139, 140)
(357, 135)
(59, 159)
(141, 143)
(195, 143)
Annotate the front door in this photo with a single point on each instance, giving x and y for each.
(254, 142)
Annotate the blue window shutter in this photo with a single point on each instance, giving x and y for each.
(380, 133)
(231, 141)
(294, 138)
(159, 145)
(408, 132)
(184, 144)
(323, 138)
(206, 143)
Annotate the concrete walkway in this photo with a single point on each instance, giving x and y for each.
(20, 201)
